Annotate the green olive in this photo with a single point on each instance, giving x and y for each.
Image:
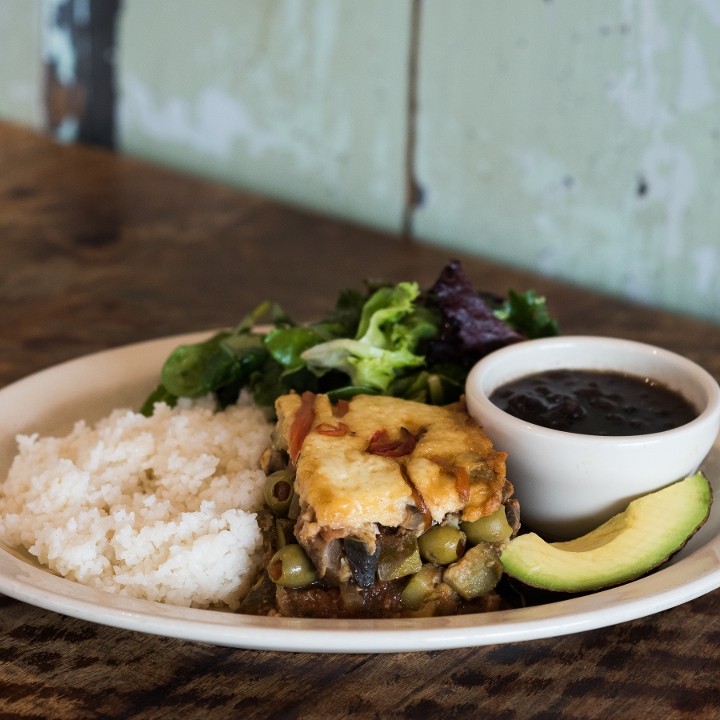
(290, 567)
(491, 528)
(442, 544)
(278, 490)
(476, 573)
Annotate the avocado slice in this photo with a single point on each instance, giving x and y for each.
(632, 543)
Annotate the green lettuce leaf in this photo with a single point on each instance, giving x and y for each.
(527, 313)
(391, 329)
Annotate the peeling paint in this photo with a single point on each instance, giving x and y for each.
(215, 122)
(303, 101)
(211, 124)
(67, 130)
(57, 44)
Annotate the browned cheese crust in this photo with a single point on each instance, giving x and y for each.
(387, 461)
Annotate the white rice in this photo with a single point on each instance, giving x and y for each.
(161, 508)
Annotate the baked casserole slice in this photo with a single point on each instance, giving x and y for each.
(396, 507)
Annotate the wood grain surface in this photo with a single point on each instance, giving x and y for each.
(99, 250)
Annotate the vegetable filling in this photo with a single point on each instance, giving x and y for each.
(405, 519)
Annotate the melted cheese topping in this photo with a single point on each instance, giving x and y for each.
(349, 488)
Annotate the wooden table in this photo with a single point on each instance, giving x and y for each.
(98, 250)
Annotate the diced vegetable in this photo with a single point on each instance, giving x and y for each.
(399, 557)
(421, 585)
(476, 573)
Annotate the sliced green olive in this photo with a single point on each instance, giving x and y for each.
(290, 567)
(491, 528)
(442, 544)
(278, 490)
(476, 573)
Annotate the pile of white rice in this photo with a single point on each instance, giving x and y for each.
(160, 508)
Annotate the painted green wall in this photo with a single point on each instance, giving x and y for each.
(303, 100)
(21, 81)
(580, 139)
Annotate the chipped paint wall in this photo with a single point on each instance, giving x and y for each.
(301, 100)
(578, 139)
(581, 140)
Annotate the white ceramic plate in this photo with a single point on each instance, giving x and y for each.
(88, 388)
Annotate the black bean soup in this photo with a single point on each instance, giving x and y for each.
(593, 402)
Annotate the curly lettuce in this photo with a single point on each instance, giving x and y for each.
(390, 331)
(392, 339)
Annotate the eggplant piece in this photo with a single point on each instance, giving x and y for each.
(399, 556)
(363, 564)
(476, 573)
(326, 556)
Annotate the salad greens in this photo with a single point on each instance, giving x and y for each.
(388, 339)
(391, 330)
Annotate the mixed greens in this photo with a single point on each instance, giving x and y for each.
(390, 339)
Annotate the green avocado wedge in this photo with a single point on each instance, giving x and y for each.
(632, 543)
